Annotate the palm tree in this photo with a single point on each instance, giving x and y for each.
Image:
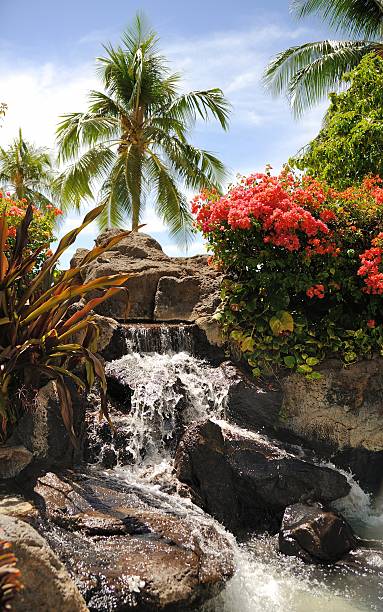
(306, 73)
(27, 172)
(133, 140)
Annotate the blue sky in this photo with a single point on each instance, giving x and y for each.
(47, 58)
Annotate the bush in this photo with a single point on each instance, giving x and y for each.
(41, 228)
(38, 331)
(304, 269)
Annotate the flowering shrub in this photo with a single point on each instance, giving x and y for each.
(41, 228)
(304, 267)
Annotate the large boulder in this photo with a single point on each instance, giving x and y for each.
(161, 288)
(245, 480)
(341, 413)
(130, 548)
(47, 584)
(13, 459)
(315, 535)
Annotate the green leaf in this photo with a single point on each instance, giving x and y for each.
(312, 361)
(314, 376)
(289, 361)
(247, 345)
(304, 368)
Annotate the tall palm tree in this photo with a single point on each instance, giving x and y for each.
(27, 172)
(306, 73)
(133, 140)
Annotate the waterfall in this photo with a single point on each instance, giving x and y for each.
(168, 388)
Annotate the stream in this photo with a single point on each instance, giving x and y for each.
(171, 388)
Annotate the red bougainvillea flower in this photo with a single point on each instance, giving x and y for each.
(371, 260)
(316, 291)
(371, 323)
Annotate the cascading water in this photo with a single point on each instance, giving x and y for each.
(170, 388)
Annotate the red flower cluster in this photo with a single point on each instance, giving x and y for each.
(370, 268)
(316, 291)
(274, 204)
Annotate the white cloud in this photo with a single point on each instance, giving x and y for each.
(37, 95)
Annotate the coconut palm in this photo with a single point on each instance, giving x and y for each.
(27, 172)
(133, 141)
(306, 73)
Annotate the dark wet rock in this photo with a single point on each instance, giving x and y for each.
(13, 459)
(128, 547)
(245, 480)
(315, 535)
(250, 404)
(47, 584)
(42, 431)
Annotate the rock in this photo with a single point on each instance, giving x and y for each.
(314, 535)
(47, 584)
(246, 481)
(13, 504)
(127, 547)
(42, 431)
(13, 459)
(250, 404)
(344, 407)
(341, 415)
(161, 288)
(176, 298)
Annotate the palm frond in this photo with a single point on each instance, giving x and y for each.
(171, 204)
(203, 104)
(352, 17)
(77, 130)
(307, 73)
(116, 197)
(76, 182)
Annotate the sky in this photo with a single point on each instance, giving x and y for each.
(47, 66)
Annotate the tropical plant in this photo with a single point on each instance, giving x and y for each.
(136, 135)
(26, 171)
(308, 72)
(349, 146)
(9, 576)
(38, 332)
(304, 269)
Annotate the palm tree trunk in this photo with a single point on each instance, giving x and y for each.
(136, 195)
(136, 203)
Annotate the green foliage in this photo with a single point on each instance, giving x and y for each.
(308, 72)
(350, 143)
(9, 576)
(38, 334)
(135, 137)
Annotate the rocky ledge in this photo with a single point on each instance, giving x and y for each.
(247, 481)
(161, 288)
(128, 547)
